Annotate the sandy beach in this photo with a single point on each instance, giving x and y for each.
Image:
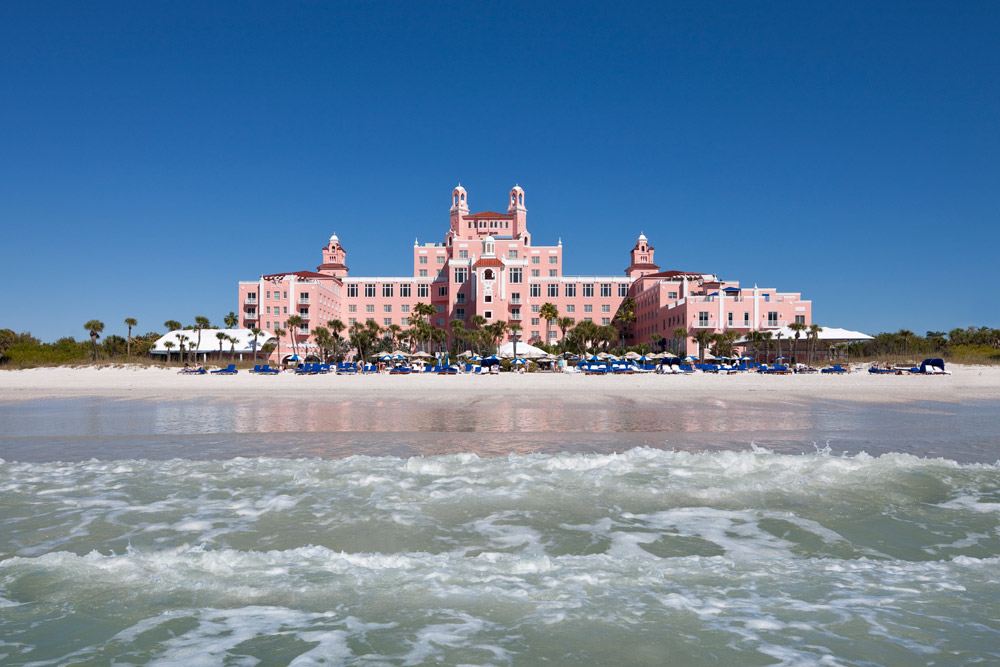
(969, 383)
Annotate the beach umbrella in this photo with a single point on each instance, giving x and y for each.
(632, 355)
(467, 353)
(422, 355)
(520, 361)
(643, 359)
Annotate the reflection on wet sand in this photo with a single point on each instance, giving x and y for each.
(101, 428)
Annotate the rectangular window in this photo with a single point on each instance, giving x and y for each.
(605, 289)
(605, 308)
(570, 290)
(370, 291)
(553, 273)
(535, 309)
(511, 254)
(352, 308)
(622, 289)
(405, 308)
(460, 297)
(488, 298)
(588, 290)
(746, 319)
(268, 294)
(552, 334)
(440, 259)
(515, 313)
(439, 308)
(772, 318)
(387, 308)
(729, 319)
(423, 259)
(536, 290)
(800, 319)
(423, 291)
(370, 308)
(488, 314)
(285, 295)
(387, 290)
(461, 274)
(570, 308)
(588, 308)
(534, 333)
(588, 319)
(553, 290)
(285, 309)
(572, 321)
(405, 321)
(422, 273)
(463, 254)
(352, 290)
(442, 291)
(351, 320)
(304, 312)
(386, 321)
(460, 313)
(535, 273)
(605, 320)
(404, 291)
(515, 297)
(268, 308)
(703, 318)
(515, 276)
(671, 295)
(553, 259)
(535, 321)
(535, 259)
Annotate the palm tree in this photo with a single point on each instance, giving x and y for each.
(169, 344)
(172, 325)
(680, 333)
(420, 311)
(181, 339)
(703, 337)
(625, 317)
(278, 333)
(777, 337)
(95, 327)
(256, 331)
(294, 324)
(564, 323)
(232, 346)
(394, 331)
(515, 331)
(765, 337)
(221, 337)
(814, 331)
(323, 338)
(336, 326)
(549, 313)
(798, 328)
(200, 322)
(130, 322)
(231, 320)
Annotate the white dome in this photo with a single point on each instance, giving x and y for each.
(642, 237)
(517, 188)
(334, 239)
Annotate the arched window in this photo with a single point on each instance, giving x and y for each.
(488, 274)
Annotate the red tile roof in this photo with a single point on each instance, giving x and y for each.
(488, 261)
(300, 274)
(490, 214)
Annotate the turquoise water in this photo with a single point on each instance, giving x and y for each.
(714, 550)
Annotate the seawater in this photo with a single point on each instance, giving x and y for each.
(648, 555)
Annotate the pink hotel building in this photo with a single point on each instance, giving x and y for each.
(488, 266)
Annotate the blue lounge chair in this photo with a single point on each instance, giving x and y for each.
(228, 370)
(836, 368)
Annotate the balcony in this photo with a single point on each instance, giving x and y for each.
(250, 301)
(304, 301)
(704, 324)
(773, 324)
(250, 316)
(515, 301)
(515, 317)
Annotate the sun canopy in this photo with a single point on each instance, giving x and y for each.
(523, 350)
(829, 334)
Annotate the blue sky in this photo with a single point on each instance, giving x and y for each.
(154, 154)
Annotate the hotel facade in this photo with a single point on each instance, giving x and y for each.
(488, 265)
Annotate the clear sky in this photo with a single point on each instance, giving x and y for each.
(152, 154)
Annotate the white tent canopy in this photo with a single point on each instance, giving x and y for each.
(829, 334)
(523, 350)
(209, 343)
